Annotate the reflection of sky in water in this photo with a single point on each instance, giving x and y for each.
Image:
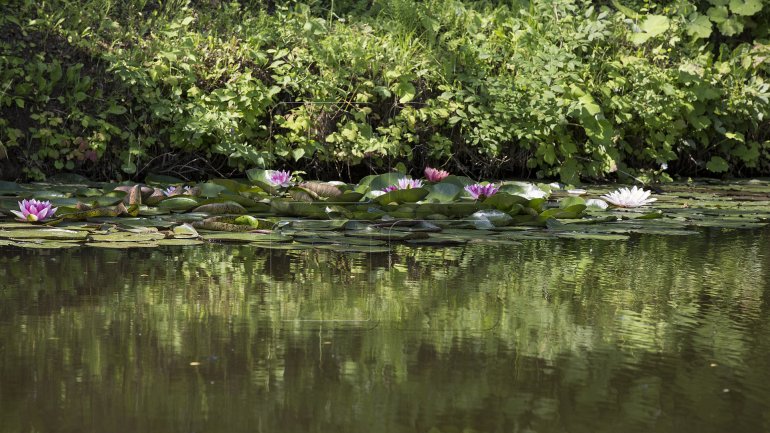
(650, 334)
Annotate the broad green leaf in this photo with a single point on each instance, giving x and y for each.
(700, 27)
(731, 26)
(745, 7)
(405, 91)
(718, 14)
(567, 202)
(126, 237)
(179, 203)
(717, 165)
(229, 207)
(655, 25)
(409, 195)
(443, 192)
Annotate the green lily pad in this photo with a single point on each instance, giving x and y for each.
(409, 195)
(126, 237)
(592, 236)
(44, 233)
(347, 197)
(185, 231)
(389, 235)
(122, 245)
(354, 248)
(246, 237)
(178, 203)
(177, 242)
(504, 201)
(226, 208)
(316, 225)
(443, 192)
(45, 245)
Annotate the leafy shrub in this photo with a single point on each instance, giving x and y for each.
(544, 88)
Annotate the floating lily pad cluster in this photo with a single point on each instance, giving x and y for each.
(270, 210)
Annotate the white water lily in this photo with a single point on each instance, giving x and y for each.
(596, 203)
(625, 197)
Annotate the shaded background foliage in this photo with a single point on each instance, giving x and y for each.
(568, 88)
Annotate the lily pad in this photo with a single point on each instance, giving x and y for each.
(45, 245)
(409, 195)
(44, 233)
(178, 203)
(226, 208)
(177, 242)
(122, 245)
(246, 237)
(126, 237)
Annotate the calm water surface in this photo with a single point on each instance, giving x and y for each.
(654, 334)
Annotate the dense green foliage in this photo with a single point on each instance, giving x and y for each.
(565, 88)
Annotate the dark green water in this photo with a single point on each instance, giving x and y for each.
(654, 334)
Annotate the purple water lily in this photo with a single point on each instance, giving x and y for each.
(176, 190)
(478, 190)
(33, 210)
(278, 178)
(404, 183)
(435, 175)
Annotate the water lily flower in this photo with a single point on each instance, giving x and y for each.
(279, 178)
(435, 175)
(404, 183)
(176, 190)
(33, 210)
(625, 197)
(478, 190)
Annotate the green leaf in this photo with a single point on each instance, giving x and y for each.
(700, 27)
(406, 91)
(229, 207)
(410, 195)
(128, 167)
(178, 203)
(717, 165)
(745, 7)
(567, 202)
(655, 25)
(731, 26)
(718, 14)
(117, 109)
(443, 192)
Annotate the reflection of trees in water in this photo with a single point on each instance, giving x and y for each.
(539, 335)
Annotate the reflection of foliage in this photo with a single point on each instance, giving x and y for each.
(541, 335)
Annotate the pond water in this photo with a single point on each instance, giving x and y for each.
(655, 333)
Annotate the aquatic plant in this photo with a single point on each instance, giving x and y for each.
(34, 210)
(176, 190)
(279, 178)
(624, 197)
(478, 190)
(435, 175)
(404, 183)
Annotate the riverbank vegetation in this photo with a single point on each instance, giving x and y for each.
(563, 89)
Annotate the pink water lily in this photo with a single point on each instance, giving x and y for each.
(404, 183)
(33, 210)
(435, 175)
(278, 178)
(478, 190)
